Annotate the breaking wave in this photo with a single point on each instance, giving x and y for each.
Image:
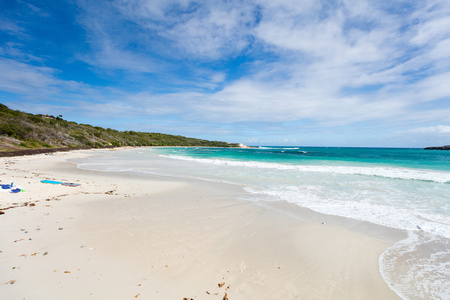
(386, 172)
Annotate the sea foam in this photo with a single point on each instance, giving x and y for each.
(387, 172)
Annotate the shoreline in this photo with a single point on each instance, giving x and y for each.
(127, 236)
(27, 152)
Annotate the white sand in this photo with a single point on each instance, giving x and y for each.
(121, 236)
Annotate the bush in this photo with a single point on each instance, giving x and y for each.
(46, 145)
(23, 144)
(13, 130)
(35, 119)
(8, 129)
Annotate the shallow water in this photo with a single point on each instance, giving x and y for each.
(407, 189)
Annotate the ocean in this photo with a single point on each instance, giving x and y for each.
(406, 189)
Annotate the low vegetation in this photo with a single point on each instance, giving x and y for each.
(20, 131)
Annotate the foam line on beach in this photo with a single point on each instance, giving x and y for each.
(387, 172)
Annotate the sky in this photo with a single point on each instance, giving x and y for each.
(307, 72)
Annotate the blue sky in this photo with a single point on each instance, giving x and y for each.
(306, 72)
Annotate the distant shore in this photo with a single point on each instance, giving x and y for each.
(447, 147)
(124, 236)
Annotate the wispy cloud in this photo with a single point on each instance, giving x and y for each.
(439, 129)
(11, 27)
(17, 77)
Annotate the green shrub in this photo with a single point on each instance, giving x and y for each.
(35, 119)
(16, 131)
(23, 144)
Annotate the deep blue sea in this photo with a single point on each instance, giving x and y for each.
(407, 189)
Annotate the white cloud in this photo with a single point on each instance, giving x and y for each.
(218, 77)
(432, 22)
(10, 27)
(439, 129)
(21, 78)
(111, 56)
(13, 50)
(434, 87)
(441, 52)
(170, 30)
(213, 31)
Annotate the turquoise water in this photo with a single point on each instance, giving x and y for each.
(407, 189)
(407, 158)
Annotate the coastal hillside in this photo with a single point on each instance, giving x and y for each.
(22, 131)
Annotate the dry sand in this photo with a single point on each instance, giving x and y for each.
(124, 236)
